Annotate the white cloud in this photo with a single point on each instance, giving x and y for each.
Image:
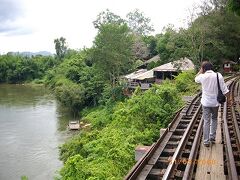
(45, 20)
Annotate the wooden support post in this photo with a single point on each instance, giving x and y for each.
(140, 151)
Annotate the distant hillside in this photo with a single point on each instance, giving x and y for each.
(27, 53)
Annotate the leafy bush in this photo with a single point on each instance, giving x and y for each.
(109, 153)
(185, 82)
(98, 118)
(71, 95)
(110, 94)
(85, 81)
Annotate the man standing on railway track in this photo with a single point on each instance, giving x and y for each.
(208, 79)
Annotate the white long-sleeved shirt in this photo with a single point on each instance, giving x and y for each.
(208, 81)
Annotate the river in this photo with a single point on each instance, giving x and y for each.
(32, 126)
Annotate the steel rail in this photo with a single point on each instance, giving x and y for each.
(234, 118)
(232, 171)
(182, 143)
(134, 172)
(148, 157)
(188, 173)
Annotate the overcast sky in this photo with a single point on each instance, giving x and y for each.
(32, 25)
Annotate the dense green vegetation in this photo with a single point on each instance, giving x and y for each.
(214, 37)
(112, 51)
(108, 153)
(234, 6)
(88, 82)
(16, 68)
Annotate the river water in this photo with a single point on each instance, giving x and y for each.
(32, 126)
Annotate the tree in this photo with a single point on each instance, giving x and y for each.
(107, 17)
(234, 6)
(151, 42)
(140, 48)
(166, 44)
(173, 45)
(60, 47)
(213, 36)
(218, 4)
(138, 23)
(217, 36)
(71, 95)
(205, 8)
(112, 51)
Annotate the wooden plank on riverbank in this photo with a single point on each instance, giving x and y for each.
(74, 125)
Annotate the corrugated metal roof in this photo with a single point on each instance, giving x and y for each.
(182, 64)
(134, 74)
(145, 75)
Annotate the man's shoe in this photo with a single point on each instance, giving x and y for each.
(212, 141)
(206, 144)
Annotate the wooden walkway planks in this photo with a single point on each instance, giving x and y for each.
(210, 163)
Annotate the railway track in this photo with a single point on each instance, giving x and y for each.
(175, 154)
(231, 133)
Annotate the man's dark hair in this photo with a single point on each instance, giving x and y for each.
(206, 65)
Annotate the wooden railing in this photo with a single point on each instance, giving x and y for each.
(134, 85)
